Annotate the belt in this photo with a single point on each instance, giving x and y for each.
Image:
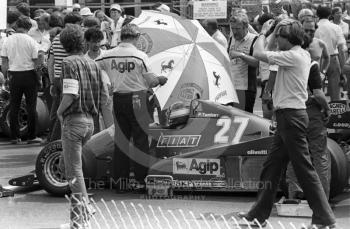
(334, 55)
(280, 110)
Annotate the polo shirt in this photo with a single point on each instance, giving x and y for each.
(20, 49)
(59, 53)
(239, 68)
(127, 67)
(331, 34)
(220, 38)
(290, 89)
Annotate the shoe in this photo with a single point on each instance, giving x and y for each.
(245, 215)
(16, 141)
(320, 226)
(34, 140)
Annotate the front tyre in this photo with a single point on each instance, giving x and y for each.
(50, 174)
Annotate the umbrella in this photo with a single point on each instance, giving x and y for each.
(194, 63)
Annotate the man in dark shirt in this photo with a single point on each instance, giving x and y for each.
(83, 94)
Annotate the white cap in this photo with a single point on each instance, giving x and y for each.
(163, 7)
(85, 11)
(116, 7)
(76, 6)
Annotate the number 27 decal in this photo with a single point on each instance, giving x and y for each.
(225, 122)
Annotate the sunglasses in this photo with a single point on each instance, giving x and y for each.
(309, 31)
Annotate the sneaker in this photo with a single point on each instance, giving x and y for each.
(34, 140)
(245, 215)
(16, 141)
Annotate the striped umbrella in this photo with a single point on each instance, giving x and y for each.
(180, 49)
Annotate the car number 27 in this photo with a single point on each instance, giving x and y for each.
(222, 136)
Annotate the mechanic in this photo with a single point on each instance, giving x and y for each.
(54, 63)
(318, 111)
(82, 96)
(20, 57)
(131, 76)
(289, 143)
(333, 36)
(243, 65)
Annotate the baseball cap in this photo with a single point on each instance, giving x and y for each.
(130, 29)
(85, 11)
(76, 6)
(116, 7)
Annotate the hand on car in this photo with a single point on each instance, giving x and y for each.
(162, 80)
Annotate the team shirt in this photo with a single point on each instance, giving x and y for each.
(128, 68)
(20, 49)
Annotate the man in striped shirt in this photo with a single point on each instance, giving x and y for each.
(56, 55)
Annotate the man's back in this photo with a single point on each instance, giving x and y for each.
(331, 34)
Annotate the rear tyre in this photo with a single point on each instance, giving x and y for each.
(339, 172)
(48, 170)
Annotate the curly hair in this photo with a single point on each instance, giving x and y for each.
(23, 8)
(56, 20)
(24, 22)
(72, 38)
(73, 18)
(12, 16)
(91, 21)
(293, 32)
(93, 34)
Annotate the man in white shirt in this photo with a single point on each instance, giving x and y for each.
(289, 143)
(41, 33)
(211, 26)
(333, 36)
(19, 59)
(337, 19)
(117, 23)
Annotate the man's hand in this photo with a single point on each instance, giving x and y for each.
(267, 26)
(53, 90)
(162, 80)
(235, 54)
(327, 114)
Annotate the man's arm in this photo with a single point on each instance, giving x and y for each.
(4, 66)
(321, 99)
(259, 49)
(50, 67)
(325, 57)
(250, 60)
(67, 100)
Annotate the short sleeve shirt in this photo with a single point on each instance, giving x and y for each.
(20, 49)
(331, 34)
(290, 89)
(87, 75)
(127, 67)
(59, 53)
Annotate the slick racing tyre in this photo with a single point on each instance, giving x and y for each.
(42, 113)
(339, 174)
(50, 174)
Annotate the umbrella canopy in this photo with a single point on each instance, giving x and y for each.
(194, 63)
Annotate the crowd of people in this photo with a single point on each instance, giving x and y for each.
(73, 54)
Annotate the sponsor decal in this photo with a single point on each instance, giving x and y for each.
(217, 78)
(341, 125)
(70, 86)
(167, 66)
(257, 152)
(190, 91)
(220, 95)
(122, 66)
(207, 115)
(160, 22)
(196, 166)
(337, 108)
(145, 43)
(178, 141)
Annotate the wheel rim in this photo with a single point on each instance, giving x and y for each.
(22, 118)
(52, 171)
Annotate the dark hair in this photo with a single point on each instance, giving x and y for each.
(93, 34)
(23, 8)
(336, 9)
(12, 16)
(91, 21)
(24, 22)
(56, 20)
(213, 24)
(72, 38)
(72, 18)
(264, 18)
(323, 12)
(306, 41)
(293, 32)
(129, 31)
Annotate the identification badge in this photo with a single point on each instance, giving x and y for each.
(70, 86)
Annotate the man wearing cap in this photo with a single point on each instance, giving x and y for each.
(116, 24)
(76, 8)
(131, 76)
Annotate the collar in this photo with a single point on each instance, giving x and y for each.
(296, 47)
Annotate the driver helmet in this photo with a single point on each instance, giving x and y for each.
(177, 114)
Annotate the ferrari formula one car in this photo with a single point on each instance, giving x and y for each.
(204, 147)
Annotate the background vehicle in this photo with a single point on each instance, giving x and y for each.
(209, 147)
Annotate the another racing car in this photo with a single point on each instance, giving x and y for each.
(204, 147)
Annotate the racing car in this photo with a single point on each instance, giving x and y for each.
(204, 147)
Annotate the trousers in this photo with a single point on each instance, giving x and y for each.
(290, 144)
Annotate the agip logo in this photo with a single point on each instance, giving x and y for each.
(337, 108)
(196, 166)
